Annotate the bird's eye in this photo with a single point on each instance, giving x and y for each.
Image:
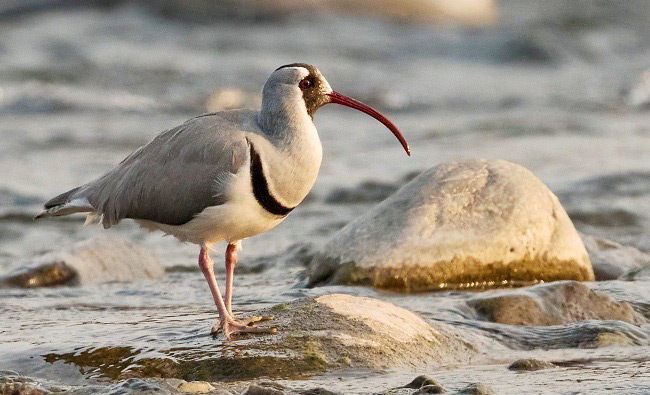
(305, 84)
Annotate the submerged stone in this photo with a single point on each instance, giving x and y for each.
(98, 260)
(612, 260)
(552, 304)
(471, 224)
(530, 364)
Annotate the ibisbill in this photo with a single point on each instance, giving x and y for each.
(223, 176)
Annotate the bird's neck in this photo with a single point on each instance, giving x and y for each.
(282, 119)
(293, 134)
(288, 126)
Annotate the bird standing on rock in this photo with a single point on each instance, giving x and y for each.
(221, 176)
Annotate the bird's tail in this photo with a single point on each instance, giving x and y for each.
(67, 203)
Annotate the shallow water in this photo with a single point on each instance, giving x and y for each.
(82, 88)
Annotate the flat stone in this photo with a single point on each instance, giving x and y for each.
(530, 364)
(552, 304)
(470, 224)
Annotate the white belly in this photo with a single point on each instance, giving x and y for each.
(241, 217)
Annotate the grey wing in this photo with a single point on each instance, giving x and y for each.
(174, 177)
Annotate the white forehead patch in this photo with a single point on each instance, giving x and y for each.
(303, 71)
(287, 71)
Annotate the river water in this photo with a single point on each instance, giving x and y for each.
(80, 88)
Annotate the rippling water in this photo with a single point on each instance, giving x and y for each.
(81, 88)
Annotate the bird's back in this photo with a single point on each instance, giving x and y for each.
(174, 177)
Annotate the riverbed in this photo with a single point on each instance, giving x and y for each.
(81, 88)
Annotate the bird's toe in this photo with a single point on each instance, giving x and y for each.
(250, 321)
(232, 328)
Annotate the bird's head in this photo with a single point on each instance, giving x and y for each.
(301, 87)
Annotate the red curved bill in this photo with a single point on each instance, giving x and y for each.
(338, 98)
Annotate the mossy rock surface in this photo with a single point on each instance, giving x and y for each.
(315, 336)
(471, 224)
(343, 331)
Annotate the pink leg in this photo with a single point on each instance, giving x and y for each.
(207, 267)
(231, 261)
(226, 321)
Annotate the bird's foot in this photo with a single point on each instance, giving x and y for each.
(250, 321)
(232, 327)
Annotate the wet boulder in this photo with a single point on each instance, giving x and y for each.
(314, 335)
(98, 260)
(470, 224)
(334, 331)
(321, 334)
(612, 260)
(552, 304)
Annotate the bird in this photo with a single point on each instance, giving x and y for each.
(221, 176)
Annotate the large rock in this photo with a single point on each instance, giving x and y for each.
(351, 331)
(612, 260)
(458, 225)
(98, 260)
(552, 304)
(316, 335)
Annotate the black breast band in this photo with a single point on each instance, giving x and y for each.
(261, 188)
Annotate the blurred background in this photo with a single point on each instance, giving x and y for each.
(561, 87)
